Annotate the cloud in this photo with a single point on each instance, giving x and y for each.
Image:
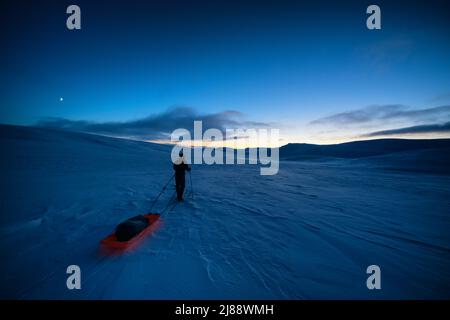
(441, 97)
(157, 126)
(363, 115)
(383, 56)
(423, 129)
(384, 113)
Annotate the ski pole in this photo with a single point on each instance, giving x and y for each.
(192, 190)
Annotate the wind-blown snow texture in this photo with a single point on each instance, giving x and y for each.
(308, 232)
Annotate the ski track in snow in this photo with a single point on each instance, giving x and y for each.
(308, 232)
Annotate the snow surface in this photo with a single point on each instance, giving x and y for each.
(308, 232)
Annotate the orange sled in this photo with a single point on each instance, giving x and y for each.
(112, 242)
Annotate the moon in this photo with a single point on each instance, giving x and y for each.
(61, 99)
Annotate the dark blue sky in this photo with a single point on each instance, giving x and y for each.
(288, 63)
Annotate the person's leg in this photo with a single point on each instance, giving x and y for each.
(182, 191)
(179, 189)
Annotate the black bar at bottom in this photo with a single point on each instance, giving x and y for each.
(226, 309)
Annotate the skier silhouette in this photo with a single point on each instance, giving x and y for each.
(180, 175)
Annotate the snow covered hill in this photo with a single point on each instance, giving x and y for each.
(308, 232)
